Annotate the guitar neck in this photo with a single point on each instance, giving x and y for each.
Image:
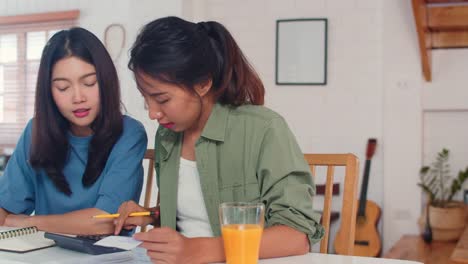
(363, 196)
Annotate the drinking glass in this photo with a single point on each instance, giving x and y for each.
(241, 227)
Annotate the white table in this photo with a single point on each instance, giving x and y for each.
(57, 255)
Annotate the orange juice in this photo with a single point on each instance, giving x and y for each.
(242, 243)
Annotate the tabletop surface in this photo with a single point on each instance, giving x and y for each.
(55, 255)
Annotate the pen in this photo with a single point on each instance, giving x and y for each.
(131, 214)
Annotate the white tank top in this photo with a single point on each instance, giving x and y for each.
(192, 218)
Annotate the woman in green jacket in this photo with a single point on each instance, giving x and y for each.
(215, 143)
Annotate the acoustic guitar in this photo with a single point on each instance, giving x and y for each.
(367, 240)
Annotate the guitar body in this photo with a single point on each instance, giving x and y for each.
(367, 240)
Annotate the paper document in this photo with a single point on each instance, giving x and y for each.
(122, 242)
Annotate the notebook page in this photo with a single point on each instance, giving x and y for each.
(7, 228)
(24, 243)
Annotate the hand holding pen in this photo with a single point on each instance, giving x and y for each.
(129, 216)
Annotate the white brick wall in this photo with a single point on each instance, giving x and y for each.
(375, 86)
(375, 89)
(340, 116)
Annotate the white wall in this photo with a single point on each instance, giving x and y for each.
(335, 118)
(445, 105)
(375, 86)
(402, 84)
(420, 118)
(375, 89)
(96, 16)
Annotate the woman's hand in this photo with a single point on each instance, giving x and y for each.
(21, 220)
(126, 222)
(165, 245)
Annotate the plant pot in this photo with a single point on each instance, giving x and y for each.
(447, 223)
(448, 218)
(441, 234)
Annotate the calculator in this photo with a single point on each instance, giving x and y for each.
(84, 244)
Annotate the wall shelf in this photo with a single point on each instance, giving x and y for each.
(440, 24)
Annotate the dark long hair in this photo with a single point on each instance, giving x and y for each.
(50, 147)
(176, 51)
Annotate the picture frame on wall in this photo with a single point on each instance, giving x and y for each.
(301, 51)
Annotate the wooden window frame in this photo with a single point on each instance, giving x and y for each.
(20, 25)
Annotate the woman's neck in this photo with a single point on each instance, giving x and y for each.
(196, 130)
(192, 134)
(81, 131)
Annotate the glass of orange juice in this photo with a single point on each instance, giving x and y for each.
(241, 227)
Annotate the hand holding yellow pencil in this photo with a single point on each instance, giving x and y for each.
(150, 213)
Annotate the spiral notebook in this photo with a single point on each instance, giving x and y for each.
(22, 240)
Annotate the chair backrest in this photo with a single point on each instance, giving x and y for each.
(320, 191)
(149, 155)
(349, 206)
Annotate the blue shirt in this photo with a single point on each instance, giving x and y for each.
(24, 189)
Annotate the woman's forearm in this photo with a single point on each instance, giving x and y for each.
(281, 241)
(3, 216)
(209, 250)
(79, 222)
(277, 241)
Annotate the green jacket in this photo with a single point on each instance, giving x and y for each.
(244, 154)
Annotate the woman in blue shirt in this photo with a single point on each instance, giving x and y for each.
(79, 156)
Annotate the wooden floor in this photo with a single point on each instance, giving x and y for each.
(412, 247)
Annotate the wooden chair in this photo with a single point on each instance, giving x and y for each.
(320, 190)
(349, 206)
(149, 155)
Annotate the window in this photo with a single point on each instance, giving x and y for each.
(22, 39)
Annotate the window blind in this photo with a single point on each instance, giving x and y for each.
(21, 46)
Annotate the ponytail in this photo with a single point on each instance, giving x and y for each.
(237, 82)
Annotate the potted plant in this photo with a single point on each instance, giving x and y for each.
(446, 217)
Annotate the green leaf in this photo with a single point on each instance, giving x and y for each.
(424, 169)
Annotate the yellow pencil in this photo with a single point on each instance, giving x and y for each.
(131, 214)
